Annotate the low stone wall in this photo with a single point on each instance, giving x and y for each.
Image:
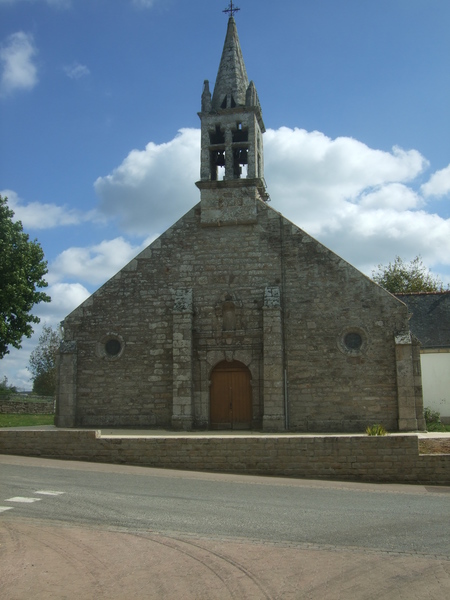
(21, 407)
(393, 458)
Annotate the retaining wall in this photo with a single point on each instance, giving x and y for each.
(14, 407)
(393, 458)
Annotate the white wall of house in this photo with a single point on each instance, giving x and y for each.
(436, 381)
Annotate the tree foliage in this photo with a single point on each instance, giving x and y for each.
(45, 384)
(6, 389)
(22, 270)
(43, 360)
(406, 277)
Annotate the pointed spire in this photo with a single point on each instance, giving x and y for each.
(206, 97)
(232, 81)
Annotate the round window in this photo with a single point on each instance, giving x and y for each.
(353, 341)
(112, 347)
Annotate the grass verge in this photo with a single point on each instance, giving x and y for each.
(8, 420)
(437, 427)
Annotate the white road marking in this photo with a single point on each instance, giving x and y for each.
(22, 499)
(49, 493)
(3, 508)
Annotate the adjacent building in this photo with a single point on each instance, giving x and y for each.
(430, 323)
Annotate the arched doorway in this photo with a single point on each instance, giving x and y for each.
(231, 396)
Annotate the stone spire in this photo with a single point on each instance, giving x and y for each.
(232, 161)
(232, 81)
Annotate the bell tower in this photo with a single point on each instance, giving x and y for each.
(232, 161)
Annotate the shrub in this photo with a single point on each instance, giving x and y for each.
(432, 417)
(433, 420)
(6, 389)
(376, 429)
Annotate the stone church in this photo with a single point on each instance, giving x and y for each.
(235, 318)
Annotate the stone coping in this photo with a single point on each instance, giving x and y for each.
(164, 433)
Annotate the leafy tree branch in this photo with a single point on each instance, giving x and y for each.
(22, 270)
(407, 277)
(42, 364)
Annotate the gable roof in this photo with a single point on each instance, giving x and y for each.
(430, 320)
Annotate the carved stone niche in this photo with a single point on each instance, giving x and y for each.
(228, 312)
(228, 316)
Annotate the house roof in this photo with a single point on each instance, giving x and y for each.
(430, 317)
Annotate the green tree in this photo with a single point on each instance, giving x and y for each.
(22, 270)
(6, 389)
(406, 277)
(43, 360)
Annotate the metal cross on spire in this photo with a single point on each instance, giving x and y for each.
(231, 9)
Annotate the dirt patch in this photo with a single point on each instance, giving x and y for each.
(434, 446)
(49, 562)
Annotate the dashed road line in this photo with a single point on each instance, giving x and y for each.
(29, 500)
(22, 499)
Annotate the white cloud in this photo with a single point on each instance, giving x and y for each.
(18, 69)
(95, 264)
(76, 71)
(394, 196)
(153, 187)
(438, 184)
(308, 170)
(36, 215)
(14, 365)
(65, 298)
(360, 202)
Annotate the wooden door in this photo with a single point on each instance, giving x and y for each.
(231, 396)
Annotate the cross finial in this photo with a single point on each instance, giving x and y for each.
(231, 9)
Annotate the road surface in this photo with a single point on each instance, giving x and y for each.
(82, 530)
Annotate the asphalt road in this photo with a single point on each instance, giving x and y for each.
(248, 516)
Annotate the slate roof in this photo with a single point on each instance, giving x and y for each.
(430, 320)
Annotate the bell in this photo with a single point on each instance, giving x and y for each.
(243, 157)
(220, 159)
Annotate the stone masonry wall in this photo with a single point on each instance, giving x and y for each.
(355, 458)
(322, 298)
(331, 387)
(26, 408)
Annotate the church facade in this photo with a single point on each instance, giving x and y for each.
(235, 318)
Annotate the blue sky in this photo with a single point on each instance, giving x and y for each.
(100, 133)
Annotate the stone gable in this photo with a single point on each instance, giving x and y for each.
(235, 317)
(265, 294)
